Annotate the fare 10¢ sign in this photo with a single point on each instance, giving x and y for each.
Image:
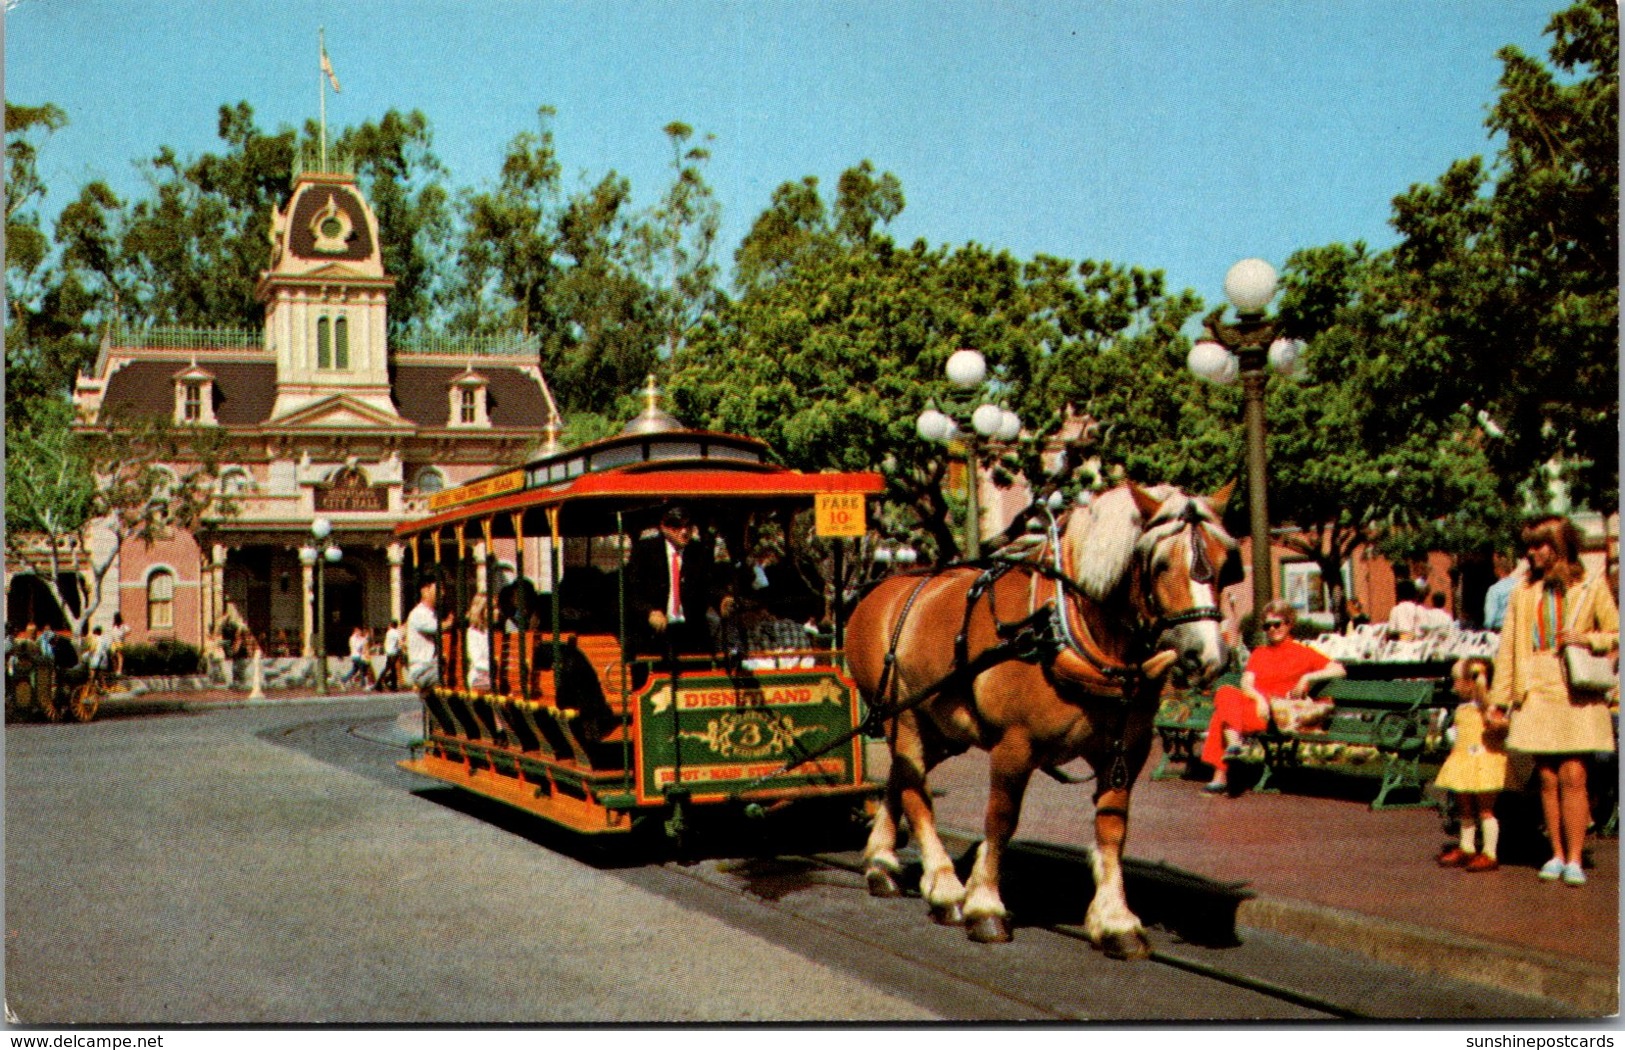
(839, 514)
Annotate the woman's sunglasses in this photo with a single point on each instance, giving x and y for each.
(1274, 623)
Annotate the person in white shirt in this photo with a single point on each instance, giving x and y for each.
(100, 660)
(390, 677)
(1405, 619)
(1436, 619)
(360, 667)
(423, 637)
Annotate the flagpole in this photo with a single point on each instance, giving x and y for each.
(321, 75)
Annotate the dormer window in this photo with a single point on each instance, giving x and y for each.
(468, 401)
(194, 397)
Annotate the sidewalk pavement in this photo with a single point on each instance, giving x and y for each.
(1332, 871)
(1329, 870)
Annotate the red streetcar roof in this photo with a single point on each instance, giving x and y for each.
(643, 484)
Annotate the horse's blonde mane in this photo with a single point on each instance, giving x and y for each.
(1100, 539)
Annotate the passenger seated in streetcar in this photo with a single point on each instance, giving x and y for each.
(477, 656)
(775, 606)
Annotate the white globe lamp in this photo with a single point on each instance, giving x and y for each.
(987, 419)
(1009, 425)
(1212, 362)
(1250, 285)
(933, 425)
(966, 369)
(1286, 355)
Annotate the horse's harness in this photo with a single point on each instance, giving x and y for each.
(1045, 636)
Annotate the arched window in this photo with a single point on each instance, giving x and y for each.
(429, 480)
(161, 601)
(324, 343)
(236, 481)
(341, 343)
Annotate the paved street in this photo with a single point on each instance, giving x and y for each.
(186, 868)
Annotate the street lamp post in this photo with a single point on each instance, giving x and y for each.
(972, 429)
(324, 550)
(1249, 348)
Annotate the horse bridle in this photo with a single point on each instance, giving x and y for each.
(1202, 571)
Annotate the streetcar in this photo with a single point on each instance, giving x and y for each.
(580, 718)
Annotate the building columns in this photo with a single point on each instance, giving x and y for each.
(308, 604)
(396, 554)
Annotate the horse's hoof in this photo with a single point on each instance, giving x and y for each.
(988, 929)
(1131, 945)
(947, 915)
(881, 883)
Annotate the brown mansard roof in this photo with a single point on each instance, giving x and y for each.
(245, 391)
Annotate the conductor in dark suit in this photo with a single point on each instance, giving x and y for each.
(663, 623)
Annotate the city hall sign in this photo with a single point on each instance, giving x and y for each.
(349, 491)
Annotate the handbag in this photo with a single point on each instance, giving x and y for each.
(1588, 672)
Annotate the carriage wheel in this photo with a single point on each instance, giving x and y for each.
(20, 699)
(46, 699)
(87, 697)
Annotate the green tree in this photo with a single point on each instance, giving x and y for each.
(674, 242)
(1509, 272)
(76, 495)
(838, 337)
(46, 340)
(191, 251)
(603, 285)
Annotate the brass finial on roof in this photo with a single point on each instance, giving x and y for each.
(654, 419)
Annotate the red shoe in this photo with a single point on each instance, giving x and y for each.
(1454, 857)
(1481, 862)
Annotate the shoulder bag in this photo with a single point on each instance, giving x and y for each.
(1588, 672)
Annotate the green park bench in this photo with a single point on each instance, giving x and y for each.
(1392, 717)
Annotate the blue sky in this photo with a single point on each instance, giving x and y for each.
(1172, 134)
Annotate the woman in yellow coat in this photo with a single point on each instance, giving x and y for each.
(1556, 606)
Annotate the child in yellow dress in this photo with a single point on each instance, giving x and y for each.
(1476, 769)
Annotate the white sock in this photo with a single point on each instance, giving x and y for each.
(1492, 835)
(1469, 838)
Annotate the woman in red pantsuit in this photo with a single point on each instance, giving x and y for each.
(1279, 668)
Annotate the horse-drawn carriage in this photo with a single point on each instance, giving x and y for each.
(1054, 648)
(583, 719)
(54, 688)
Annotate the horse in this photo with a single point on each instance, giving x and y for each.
(1050, 650)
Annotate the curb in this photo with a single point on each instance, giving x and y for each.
(137, 704)
(1587, 987)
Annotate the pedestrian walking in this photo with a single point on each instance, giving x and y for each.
(117, 636)
(1560, 725)
(1476, 768)
(360, 673)
(389, 678)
